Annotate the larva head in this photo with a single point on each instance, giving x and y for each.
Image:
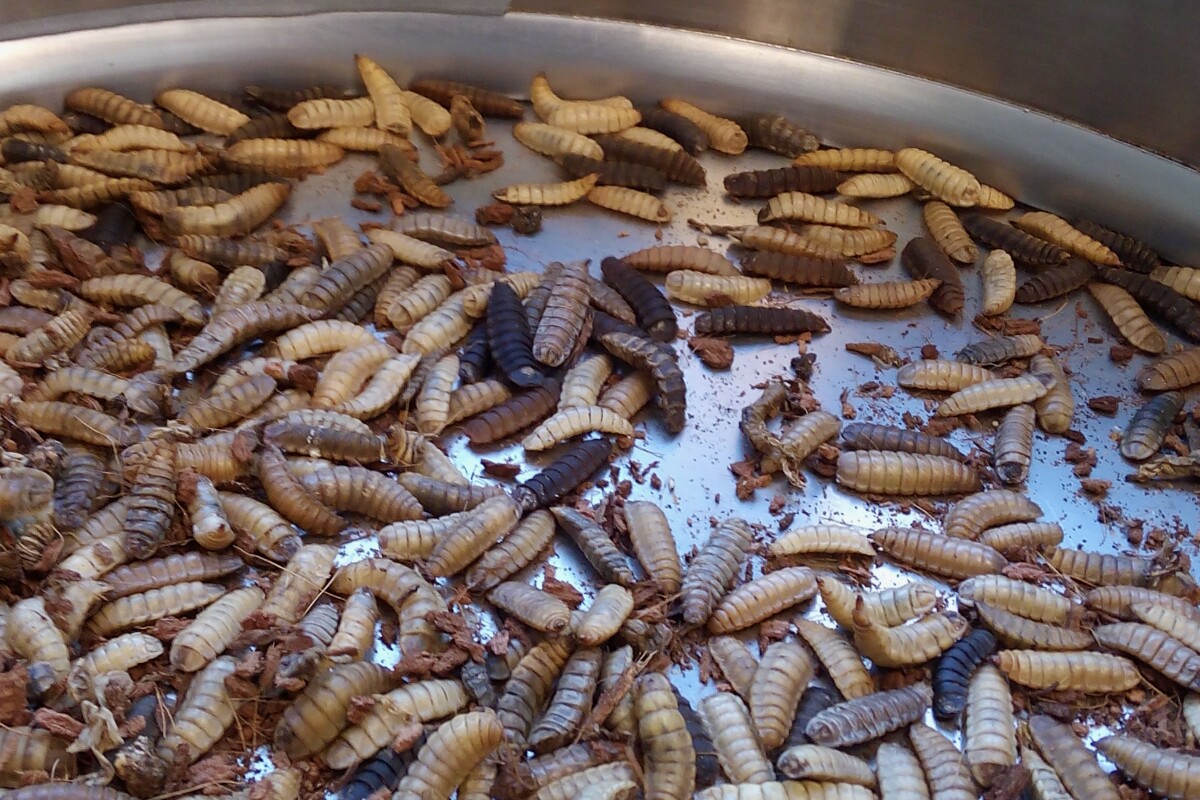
(862, 617)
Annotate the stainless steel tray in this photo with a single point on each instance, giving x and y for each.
(1043, 161)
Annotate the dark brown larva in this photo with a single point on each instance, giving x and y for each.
(800, 270)
(1134, 254)
(153, 504)
(394, 163)
(229, 253)
(487, 102)
(671, 391)
(614, 173)
(756, 319)
(654, 313)
(514, 414)
(690, 136)
(1018, 244)
(1148, 428)
(596, 546)
(922, 258)
(677, 165)
(770, 182)
(1056, 282)
(778, 134)
(343, 278)
(558, 479)
(509, 338)
(268, 126)
(870, 436)
(1175, 309)
(277, 99)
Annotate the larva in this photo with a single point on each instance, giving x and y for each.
(1134, 254)
(653, 312)
(759, 320)
(319, 714)
(203, 716)
(1128, 317)
(200, 111)
(338, 283)
(1012, 448)
(223, 408)
(571, 701)
(1044, 781)
(1099, 569)
(409, 249)
(1176, 309)
(1059, 232)
(702, 289)
(946, 229)
(396, 164)
(735, 661)
(941, 376)
(999, 277)
(668, 258)
(32, 634)
(1176, 371)
(1184, 628)
(943, 180)
(810, 762)
(238, 215)
(152, 506)
(564, 317)
(759, 599)
(937, 554)
(899, 773)
(422, 701)
(388, 581)
(1000, 349)
(596, 546)
(634, 147)
(120, 654)
(61, 333)
(945, 770)
(1148, 428)
(362, 491)
(870, 436)
(669, 756)
(803, 207)
(724, 135)
(136, 609)
(711, 572)
(161, 572)
(607, 613)
(1172, 775)
(888, 295)
(850, 160)
(547, 194)
(1184, 280)
(1066, 671)
(727, 722)
(243, 285)
(922, 258)
(1118, 601)
(800, 270)
(535, 608)
(777, 134)
(138, 290)
(440, 497)
(1016, 597)
(382, 389)
(1056, 282)
(207, 636)
(830, 241)
(822, 538)
(593, 118)
(905, 645)
(1013, 538)
(968, 518)
(555, 142)
(575, 421)
(489, 103)
(658, 361)
(287, 495)
(1017, 632)
(30, 751)
(230, 253)
(839, 658)
(780, 680)
(528, 688)
(890, 607)
(1153, 647)
(681, 131)
(952, 675)
(780, 181)
(269, 533)
(994, 393)
(432, 407)
(471, 399)
(629, 395)
(881, 472)
(1075, 764)
(235, 326)
(869, 717)
(300, 583)
(582, 382)
(355, 633)
(1018, 244)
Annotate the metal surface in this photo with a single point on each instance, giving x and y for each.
(1040, 159)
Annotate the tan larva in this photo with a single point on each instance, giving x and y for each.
(554, 141)
(668, 258)
(869, 717)
(906, 645)
(845, 242)
(465, 536)
(210, 527)
(547, 194)
(416, 633)
(1084, 671)
(669, 757)
(432, 405)
(423, 701)
(822, 538)
(993, 199)
(1184, 628)
(1012, 448)
(449, 753)
(1153, 647)
(724, 135)
(434, 334)
(802, 207)
(286, 494)
(439, 497)
(433, 463)
(604, 617)
(875, 185)
(59, 334)
(994, 393)
(943, 180)
(810, 762)
(391, 112)
(1058, 231)
(388, 581)
(381, 390)
(945, 769)
(1075, 764)
(759, 599)
(782, 676)
(1176, 371)
(1099, 569)
(224, 408)
(574, 422)
(968, 518)
(1016, 597)
(735, 661)
(850, 160)
(28, 752)
(284, 156)
(593, 118)
(727, 722)
(839, 658)
(528, 687)
(236, 216)
(319, 714)
(152, 605)
(207, 636)
(948, 232)
(713, 569)
(1009, 539)
(318, 338)
(941, 376)
(878, 472)
(517, 550)
(703, 289)
(630, 202)
(120, 654)
(157, 573)
(1018, 632)
(431, 118)
(33, 635)
(139, 290)
(890, 607)
(202, 112)
(654, 545)
(203, 716)
(786, 790)
(397, 284)
(409, 249)
(537, 609)
(1056, 408)
(937, 554)
(300, 583)
(582, 382)
(1128, 317)
(889, 295)
(900, 775)
(1166, 773)
(613, 781)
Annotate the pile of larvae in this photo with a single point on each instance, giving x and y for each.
(203, 456)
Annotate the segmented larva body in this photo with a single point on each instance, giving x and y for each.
(537, 609)
(207, 636)
(1075, 764)
(227, 406)
(999, 276)
(1012, 448)
(83, 380)
(766, 238)
(319, 714)
(899, 773)
(1176, 371)
(572, 422)
(668, 258)
(943, 180)
(727, 722)
(72, 422)
(564, 317)
(654, 544)
(203, 716)
(724, 135)
(1128, 317)
(801, 270)
(780, 181)
(1016, 597)
(735, 661)
(969, 517)
(26, 751)
(870, 436)
(669, 757)
(570, 703)
(994, 393)
(759, 599)
(703, 289)
(946, 229)
(451, 752)
(945, 770)
(528, 688)
(823, 538)
(1043, 780)
(880, 472)
(1153, 647)
(201, 111)
(547, 194)
(937, 554)
(810, 762)
(355, 633)
(601, 782)
(32, 634)
(1172, 775)
(711, 572)
(839, 658)
(382, 389)
(849, 242)
(869, 717)
(775, 691)
(940, 375)
(1059, 232)
(300, 582)
(803, 207)
(1020, 535)
(1082, 671)
(270, 533)
(888, 295)
(553, 141)
(875, 185)
(905, 645)
(1018, 632)
(1184, 628)
(630, 202)
(120, 654)
(1148, 429)
(1184, 280)
(1057, 282)
(59, 334)
(800, 440)
(422, 701)
(1056, 408)
(151, 605)
(1099, 569)
(142, 576)
(952, 675)
(890, 607)
(850, 160)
